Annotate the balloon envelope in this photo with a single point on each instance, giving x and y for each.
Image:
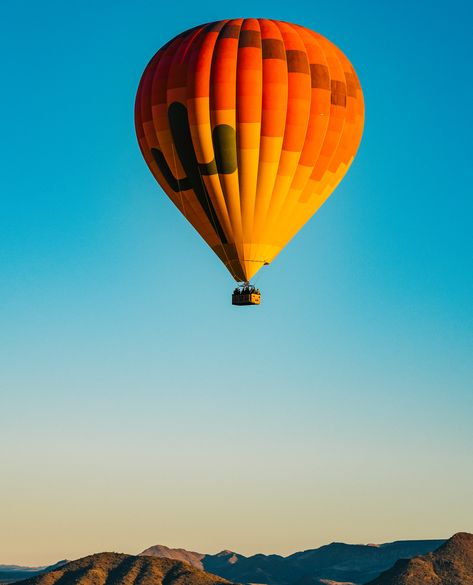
(249, 125)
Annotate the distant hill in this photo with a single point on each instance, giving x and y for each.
(12, 573)
(177, 554)
(451, 564)
(120, 569)
(336, 562)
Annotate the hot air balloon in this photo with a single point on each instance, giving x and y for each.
(248, 125)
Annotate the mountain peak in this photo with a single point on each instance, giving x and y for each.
(460, 539)
(225, 553)
(177, 554)
(450, 564)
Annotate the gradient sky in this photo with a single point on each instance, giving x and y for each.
(137, 405)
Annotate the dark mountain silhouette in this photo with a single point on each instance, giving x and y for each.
(349, 563)
(451, 564)
(12, 573)
(120, 569)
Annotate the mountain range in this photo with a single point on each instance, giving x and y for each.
(12, 573)
(428, 562)
(339, 562)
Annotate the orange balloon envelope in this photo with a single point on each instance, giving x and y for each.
(249, 125)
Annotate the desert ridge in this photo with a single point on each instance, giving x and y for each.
(119, 569)
(451, 564)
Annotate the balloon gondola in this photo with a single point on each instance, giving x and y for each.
(248, 125)
(245, 295)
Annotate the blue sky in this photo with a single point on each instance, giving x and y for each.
(137, 405)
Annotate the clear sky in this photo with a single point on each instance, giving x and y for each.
(137, 405)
